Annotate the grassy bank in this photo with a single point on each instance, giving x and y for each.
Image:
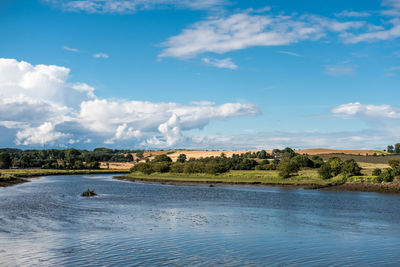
(305, 178)
(16, 176)
(308, 179)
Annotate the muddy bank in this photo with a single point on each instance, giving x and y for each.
(220, 183)
(11, 181)
(391, 188)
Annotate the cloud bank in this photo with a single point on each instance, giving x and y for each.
(43, 108)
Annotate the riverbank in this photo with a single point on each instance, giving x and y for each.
(11, 177)
(306, 180)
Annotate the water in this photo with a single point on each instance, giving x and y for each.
(46, 223)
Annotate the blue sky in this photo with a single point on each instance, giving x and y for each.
(213, 74)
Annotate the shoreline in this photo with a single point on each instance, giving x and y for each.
(14, 178)
(385, 188)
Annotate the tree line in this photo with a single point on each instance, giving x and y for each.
(62, 158)
(287, 162)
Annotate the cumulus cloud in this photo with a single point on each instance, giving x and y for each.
(41, 135)
(357, 109)
(40, 104)
(225, 63)
(131, 6)
(162, 122)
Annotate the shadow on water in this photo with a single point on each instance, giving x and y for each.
(47, 223)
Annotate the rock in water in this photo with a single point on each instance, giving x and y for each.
(89, 193)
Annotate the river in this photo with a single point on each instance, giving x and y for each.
(46, 223)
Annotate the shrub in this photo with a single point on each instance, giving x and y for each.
(143, 168)
(336, 165)
(394, 163)
(181, 158)
(351, 168)
(325, 171)
(160, 167)
(162, 158)
(386, 176)
(376, 172)
(177, 167)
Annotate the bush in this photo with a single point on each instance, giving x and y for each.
(386, 176)
(395, 164)
(181, 158)
(160, 167)
(287, 167)
(325, 171)
(376, 172)
(177, 167)
(161, 158)
(336, 165)
(143, 168)
(215, 168)
(351, 168)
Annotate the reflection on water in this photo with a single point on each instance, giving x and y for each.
(47, 223)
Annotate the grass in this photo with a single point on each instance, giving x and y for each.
(304, 177)
(8, 174)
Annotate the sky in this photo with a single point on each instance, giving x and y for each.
(199, 74)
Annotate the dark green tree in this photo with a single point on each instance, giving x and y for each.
(5, 160)
(325, 171)
(390, 148)
(397, 148)
(287, 167)
(162, 158)
(181, 158)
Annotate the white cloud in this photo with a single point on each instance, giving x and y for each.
(357, 109)
(242, 30)
(71, 49)
(44, 134)
(290, 53)
(101, 55)
(161, 123)
(225, 63)
(131, 6)
(375, 35)
(353, 14)
(391, 3)
(339, 70)
(43, 107)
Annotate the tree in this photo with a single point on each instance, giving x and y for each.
(386, 176)
(325, 171)
(5, 160)
(162, 158)
(376, 172)
(390, 149)
(336, 165)
(397, 148)
(181, 158)
(287, 167)
(351, 168)
(395, 164)
(139, 155)
(160, 167)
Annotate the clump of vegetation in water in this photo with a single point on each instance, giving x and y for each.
(89, 193)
